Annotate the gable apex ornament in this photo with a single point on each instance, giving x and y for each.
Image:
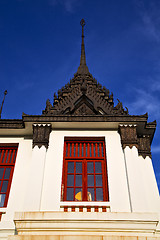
(82, 69)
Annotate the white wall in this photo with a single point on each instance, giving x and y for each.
(36, 183)
(142, 183)
(150, 185)
(118, 185)
(131, 180)
(33, 191)
(115, 163)
(19, 180)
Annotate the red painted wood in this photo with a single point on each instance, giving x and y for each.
(73, 209)
(96, 209)
(65, 209)
(80, 151)
(85, 181)
(68, 150)
(88, 209)
(94, 155)
(8, 154)
(103, 209)
(74, 178)
(96, 150)
(80, 209)
(76, 149)
(3, 152)
(88, 150)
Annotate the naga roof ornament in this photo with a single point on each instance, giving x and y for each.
(83, 95)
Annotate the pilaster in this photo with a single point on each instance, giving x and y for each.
(33, 197)
(134, 168)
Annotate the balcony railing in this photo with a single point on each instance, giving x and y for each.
(85, 207)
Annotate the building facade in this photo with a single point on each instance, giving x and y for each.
(81, 170)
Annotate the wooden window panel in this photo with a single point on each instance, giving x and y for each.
(7, 161)
(85, 152)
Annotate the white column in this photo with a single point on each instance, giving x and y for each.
(143, 191)
(41, 133)
(51, 196)
(19, 180)
(117, 180)
(135, 169)
(33, 195)
(150, 184)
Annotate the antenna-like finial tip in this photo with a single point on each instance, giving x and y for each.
(82, 69)
(82, 22)
(5, 92)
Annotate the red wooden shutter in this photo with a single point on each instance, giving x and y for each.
(7, 162)
(84, 170)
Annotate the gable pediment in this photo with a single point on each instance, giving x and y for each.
(83, 109)
(83, 106)
(84, 96)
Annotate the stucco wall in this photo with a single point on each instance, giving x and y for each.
(144, 196)
(115, 166)
(36, 183)
(19, 180)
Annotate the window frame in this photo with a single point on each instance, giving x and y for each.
(8, 154)
(85, 160)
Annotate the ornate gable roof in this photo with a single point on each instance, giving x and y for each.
(84, 100)
(83, 95)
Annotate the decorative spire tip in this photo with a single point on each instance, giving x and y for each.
(5, 93)
(83, 23)
(82, 69)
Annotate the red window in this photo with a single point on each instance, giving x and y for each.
(84, 170)
(7, 161)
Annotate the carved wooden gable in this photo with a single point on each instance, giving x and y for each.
(84, 96)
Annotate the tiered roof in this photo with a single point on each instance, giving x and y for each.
(83, 95)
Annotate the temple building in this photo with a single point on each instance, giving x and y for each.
(82, 170)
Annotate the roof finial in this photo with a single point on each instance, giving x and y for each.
(83, 57)
(5, 93)
(83, 69)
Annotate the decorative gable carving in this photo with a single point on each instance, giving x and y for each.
(83, 110)
(87, 87)
(41, 134)
(128, 135)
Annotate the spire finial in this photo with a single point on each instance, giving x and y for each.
(5, 93)
(83, 69)
(83, 23)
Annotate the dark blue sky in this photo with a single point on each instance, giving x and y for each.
(40, 51)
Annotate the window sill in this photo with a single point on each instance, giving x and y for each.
(83, 203)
